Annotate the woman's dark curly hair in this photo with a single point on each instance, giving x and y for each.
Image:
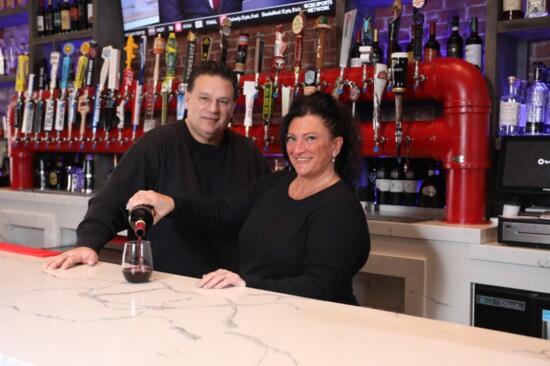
(340, 123)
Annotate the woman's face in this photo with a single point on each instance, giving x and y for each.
(310, 146)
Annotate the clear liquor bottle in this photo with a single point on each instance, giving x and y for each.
(537, 99)
(509, 110)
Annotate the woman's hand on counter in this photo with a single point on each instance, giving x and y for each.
(162, 204)
(221, 278)
(72, 257)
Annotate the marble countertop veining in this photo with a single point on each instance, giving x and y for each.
(92, 316)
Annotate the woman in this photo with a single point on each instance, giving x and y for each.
(303, 232)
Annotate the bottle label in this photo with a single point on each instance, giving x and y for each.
(510, 5)
(430, 54)
(410, 186)
(397, 186)
(473, 54)
(40, 24)
(509, 113)
(383, 185)
(90, 13)
(355, 62)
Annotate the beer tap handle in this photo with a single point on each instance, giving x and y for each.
(249, 89)
(347, 38)
(321, 26)
(159, 46)
(258, 59)
(206, 45)
(278, 62)
(418, 19)
(298, 29)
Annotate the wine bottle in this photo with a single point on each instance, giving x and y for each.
(355, 56)
(455, 43)
(82, 14)
(48, 19)
(537, 99)
(377, 54)
(511, 9)
(432, 47)
(90, 13)
(432, 190)
(75, 25)
(88, 171)
(141, 218)
(40, 19)
(397, 184)
(382, 183)
(410, 186)
(474, 45)
(57, 17)
(410, 47)
(509, 110)
(65, 17)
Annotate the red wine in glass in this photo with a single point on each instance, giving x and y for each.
(137, 274)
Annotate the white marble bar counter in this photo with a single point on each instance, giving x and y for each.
(92, 316)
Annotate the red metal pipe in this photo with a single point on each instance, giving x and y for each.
(460, 138)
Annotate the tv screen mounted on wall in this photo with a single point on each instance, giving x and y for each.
(151, 17)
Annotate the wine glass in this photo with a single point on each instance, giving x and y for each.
(137, 261)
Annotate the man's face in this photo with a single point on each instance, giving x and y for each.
(209, 108)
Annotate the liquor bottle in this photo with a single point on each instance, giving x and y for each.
(382, 184)
(40, 19)
(537, 99)
(410, 186)
(65, 17)
(82, 14)
(397, 184)
(141, 219)
(3, 68)
(89, 174)
(90, 12)
(42, 173)
(432, 192)
(75, 16)
(455, 43)
(511, 9)
(522, 95)
(355, 57)
(509, 110)
(474, 45)
(12, 53)
(410, 47)
(48, 19)
(431, 48)
(56, 177)
(57, 17)
(377, 54)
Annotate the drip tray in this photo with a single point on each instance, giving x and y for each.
(402, 219)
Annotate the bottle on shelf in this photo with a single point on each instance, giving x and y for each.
(42, 173)
(509, 112)
(431, 47)
(65, 17)
(377, 54)
(511, 9)
(537, 100)
(410, 47)
(397, 184)
(48, 19)
(75, 24)
(56, 177)
(410, 186)
(90, 13)
(382, 183)
(82, 14)
(88, 172)
(355, 56)
(57, 17)
(455, 43)
(40, 12)
(3, 68)
(12, 53)
(474, 45)
(432, 191)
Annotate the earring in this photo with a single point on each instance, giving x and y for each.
(333, 159)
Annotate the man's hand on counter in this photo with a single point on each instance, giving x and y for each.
(72, 257)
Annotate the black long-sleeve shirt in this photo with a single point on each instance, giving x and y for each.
(310, 247)
(170, 161)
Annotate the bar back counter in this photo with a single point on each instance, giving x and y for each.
(92, 316)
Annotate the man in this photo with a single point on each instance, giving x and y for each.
(197, 157)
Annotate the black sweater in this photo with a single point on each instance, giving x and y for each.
(168, 160)
(310, 247)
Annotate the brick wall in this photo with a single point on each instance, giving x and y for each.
(439, 11)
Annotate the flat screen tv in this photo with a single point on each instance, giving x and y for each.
(524, 164)
(149, 17)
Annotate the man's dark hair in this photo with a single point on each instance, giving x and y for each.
(214, 68)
